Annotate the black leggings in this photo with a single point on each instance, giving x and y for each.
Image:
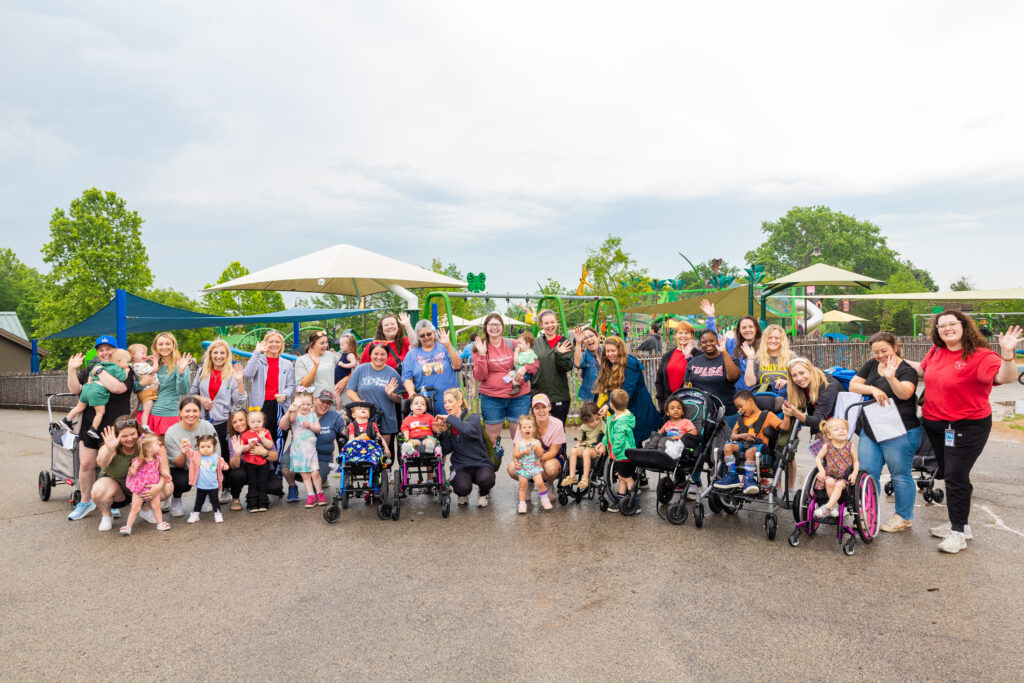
(234, 480)
(203, 495)
(222, 438)
(257, 477)
(955, 462)
(464, 479)
(179, 477)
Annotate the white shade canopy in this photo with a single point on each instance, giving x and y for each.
(841, 317)
(342, 269)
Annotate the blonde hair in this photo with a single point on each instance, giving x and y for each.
(208, 360)
(764, 358)
(132, 348)
(274, 333)
(799, 396)
(827, 425)
(175, 354)
(459, 396)
(612, 376)
(526, 417)
(619, 399)
(148, 441)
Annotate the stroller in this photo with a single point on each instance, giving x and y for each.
(926, 465)
(424, 466)
(63, 458)
(363, 478)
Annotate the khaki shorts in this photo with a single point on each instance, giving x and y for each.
(148, 394)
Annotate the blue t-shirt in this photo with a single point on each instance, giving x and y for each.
(430, 368)
(331, 424)
(588, 364)
(370, 384)
(208, 465)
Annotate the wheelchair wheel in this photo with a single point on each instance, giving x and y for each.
(344, 500)
(714, 502)
(446, 505)
(76, 497)
(771, 525)
(332, 513)
(938, 495)
(677, 514)
(630, 503)
(794, 538)
(396, 486)
(866, 503)
(45, 485)
(849, 544)
(666, 490)
(800, 506)
(563, 497)
(396, 508)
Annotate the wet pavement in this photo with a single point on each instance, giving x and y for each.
(486, 595)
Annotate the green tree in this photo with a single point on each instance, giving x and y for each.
(614, 272)
(240, 302)
(21, 288)
(964, 284)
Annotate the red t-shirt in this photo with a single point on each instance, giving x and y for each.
(273, 376)
(418, 426)
(215, 382)
(251, 438)
(676, 370)
(365, 358)
(553, 342)
(957, 389)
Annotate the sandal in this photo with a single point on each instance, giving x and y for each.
(163, 526)
(236, 505)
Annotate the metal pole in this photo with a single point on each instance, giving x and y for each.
(121, 313)
(35, 357)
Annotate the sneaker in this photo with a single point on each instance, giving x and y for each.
(614, 507)
(729, 481)
(93, 433)
(207, 506)
(163, 526)
(584, 483)
(522, 507)
(953, 543)
(251, 510)
(481, 502)
(193, 517)
(176, 509)
(165, 505)
(570, 480)
(750, 486)
(834, 512)
(125, 531)
(225, 496)
(67, 424)
(545, 502)
(895, 524)
(148, 516)
(310, 501)
(106, 522)
(236, 505)
(463, 500)
(218, 517)
(822, 512)
(943, 531)
(81, 510)
(321, 499)
(293, 494)
(514, 389)
(115, 513)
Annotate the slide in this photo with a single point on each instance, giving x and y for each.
(814, 316)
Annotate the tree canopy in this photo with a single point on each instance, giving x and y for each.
(240, 302)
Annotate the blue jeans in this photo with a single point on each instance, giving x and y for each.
(898, 455)
(497, 410)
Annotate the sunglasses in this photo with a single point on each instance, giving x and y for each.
(126, 422)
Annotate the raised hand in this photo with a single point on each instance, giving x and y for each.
(75, 361)
(748, 350)
(577, 334)
(442, 337)
(722, 345)
(261, 347)
(390, 387)
(404, 319)
(480, 346)
(888, 369)
(688, 348)
(236, 444)
(708, 308)
(109, 437)
(1009, 340)
(564, 346)
(236, 372)
(184, 362)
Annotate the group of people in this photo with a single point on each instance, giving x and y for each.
(209, 432)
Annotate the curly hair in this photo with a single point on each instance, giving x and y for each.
(972, 338)
(611, 376)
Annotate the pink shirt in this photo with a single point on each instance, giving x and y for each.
(495, 364)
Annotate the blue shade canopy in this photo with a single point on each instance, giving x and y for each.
(143, 315)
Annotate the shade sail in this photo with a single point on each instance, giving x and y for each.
(841, 317)
(143, 315)
(824, 275)
(731, 302)
(341, 269)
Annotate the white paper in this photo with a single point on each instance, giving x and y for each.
(885, 421)
(68, 440)
(844, 401)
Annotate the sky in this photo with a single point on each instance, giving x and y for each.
(509, 138)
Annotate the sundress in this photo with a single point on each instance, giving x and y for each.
(838, 462)
(529, 463)
(147, 475)
(303, 449)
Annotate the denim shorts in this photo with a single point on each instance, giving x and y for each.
(497, 410)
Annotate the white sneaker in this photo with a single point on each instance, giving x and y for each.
(115, 513)
(821, 512)
(953, 543)
(106, 522)
(207, 506)
(225, 496)
(193, 517)
(176, 509)
(463, 500)
(218, 517)
(165, 505)
(481, 502)
(148, 516)
(943, 531)
(835, 512)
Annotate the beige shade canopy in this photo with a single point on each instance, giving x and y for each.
(971, 295)
(342, 269)
(821, 274)
(841, 317)
(727, 302)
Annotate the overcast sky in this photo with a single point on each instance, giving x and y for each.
(509, 137)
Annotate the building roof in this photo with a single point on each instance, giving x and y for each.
(9, 322)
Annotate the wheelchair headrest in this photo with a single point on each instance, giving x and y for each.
(769, 401)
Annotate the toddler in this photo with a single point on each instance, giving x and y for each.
(588, 446)
(146, 470)
(142, 366)
(95, 394)
(206, 473)
(349, 360)
(618, 438)
(417, 429)
(528, 450)
(522, 355)
(305, 427)
(749, 433)
(362, 443)
(837, 464)
(671, 437)
(256, 466)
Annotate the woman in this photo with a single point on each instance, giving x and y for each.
(315, 368)
(220, 389)
(585, 357)
(714, 371)
(188, 427)
(551, 432)
(887, 377)
(462, 435)
(492, 360)
(118, 404)
(392, 330)
(812, 400)
(432, 363)
(332, 425)
(175, 380)
(766, 363)
(377, 383)
(121, 444)
(554, 354)
(959, 371)
(273, 379)
(672, 368)
(619, 370)
(747, 330)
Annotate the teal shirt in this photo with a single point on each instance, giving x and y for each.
(172, 388)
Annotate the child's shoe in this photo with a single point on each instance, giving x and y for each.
(163, 526)
(310, 501)
(522, 507)
(834, 512)
(125, 531)
(545, 502)
(822, 512)
(514, 389)
(481, 502)
(218, 517)
(729, 481)
(67, 423)
(584, 483)
(321, 499)
(570, 480)
(93, 433)
(193, 518)
(750, 486)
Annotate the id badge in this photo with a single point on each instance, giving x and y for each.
(950, 438)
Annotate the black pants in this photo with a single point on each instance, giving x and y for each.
(222, 438)
(275, 486)
(203, 495)
(464, 479)
(560, 410)
(179, 477)
(234, 480)
(256, 477)
(955, 462)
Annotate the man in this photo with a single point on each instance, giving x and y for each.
(653, 343)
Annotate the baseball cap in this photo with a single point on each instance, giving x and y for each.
(541, 398)
(326, 396)
(105, 339)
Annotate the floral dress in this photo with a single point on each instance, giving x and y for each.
(303, 449)
(147, 475)
(529, 463)
(361, 450)
(838, 462)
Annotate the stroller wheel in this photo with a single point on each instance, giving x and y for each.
(938, 495)
(45, 485)
(332, 513)
(563, 497)
(927, 495)
(698, 515)
(446, 505)
(677, 514)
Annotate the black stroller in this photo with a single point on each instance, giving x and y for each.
(926, 465)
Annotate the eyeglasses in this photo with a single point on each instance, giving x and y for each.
(126, 422)
(426, 335)
(946, 326)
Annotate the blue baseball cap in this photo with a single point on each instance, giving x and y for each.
(105, 339)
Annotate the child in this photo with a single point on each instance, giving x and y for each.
(619, 437)
(206, 473)
(305, 427)
(417, 429)
(749, 430)
(672, 435)
(257, 467)
(347, 350)
(527, 450)
(588, 447)
(522, 355)
(146, 470)
(362, 443)
(142, 366)
(95, 394)
(837, 463)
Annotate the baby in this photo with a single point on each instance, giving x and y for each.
(95, 394)
(523, 355)
(142, 367)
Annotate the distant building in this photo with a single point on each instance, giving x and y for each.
(15, 348)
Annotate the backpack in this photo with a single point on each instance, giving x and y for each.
(494, 450)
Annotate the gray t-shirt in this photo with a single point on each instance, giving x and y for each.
(324, 377)
(370, 384)
(177, 432)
